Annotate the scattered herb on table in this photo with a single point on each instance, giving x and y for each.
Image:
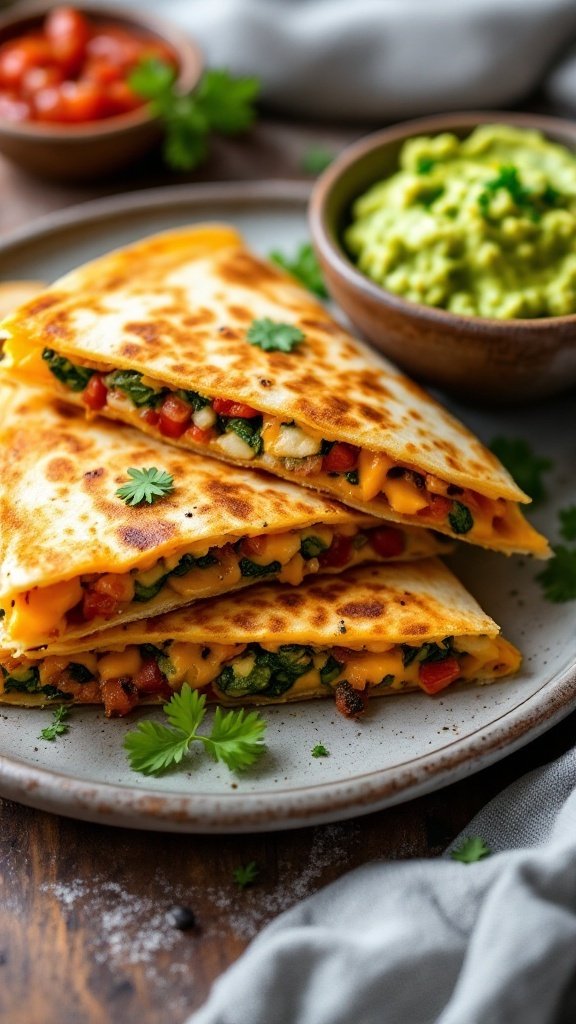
(147, 485)
(523, 464)
(236, 738)
(316, 159)
(59, 724)
(220, 104)
(473, 848)
(567, 518)
(246, 874)
(320, 751)
(304, 267)
(558, 579)
(272, 336)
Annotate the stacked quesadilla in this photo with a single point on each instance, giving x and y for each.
(204, 355)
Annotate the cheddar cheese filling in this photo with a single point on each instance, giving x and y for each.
(256, 673)
(240, 433)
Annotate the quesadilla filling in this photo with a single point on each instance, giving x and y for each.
(93, 598)
(257, 673)
(240, 433)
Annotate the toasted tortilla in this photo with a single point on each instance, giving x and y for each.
(66, 533)
(375, 629)
(177, 308)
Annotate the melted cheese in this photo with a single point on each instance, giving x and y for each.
(202, 582)
(404, 497)
(372, 470)
(125, 663)
(277, 548)
(41, 611)
(293, 572)
(198, 665)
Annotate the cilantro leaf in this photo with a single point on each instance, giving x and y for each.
(558, 579)
(523, 464)
(236, 739)
(567, 518)
(320, 751)
(147, 485)
(304, 267)
(58, 726)
(272, 336)
(220, 103)
(316, 159)
(473, 848)
(246, 874)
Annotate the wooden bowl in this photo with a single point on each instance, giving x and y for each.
(491, 361)
(75, 152)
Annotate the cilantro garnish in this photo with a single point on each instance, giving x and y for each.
(220, 103)
(246, 874)
(236, 739)
(58, 726)
(558, 579)
(523, 464)
(473, 848)
(320, 751)
(304, 267)
(147, 485)
(316, 159)
(567, 518)
(272, 336)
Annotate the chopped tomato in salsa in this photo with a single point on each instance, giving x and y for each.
(72, 70)
(436, 675)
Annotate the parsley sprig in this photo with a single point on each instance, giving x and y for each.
(304, 267)
(58, 725)
(558, 579)
(320, 751)
(472, 849)
(523, 464)
(567, 518)
(272, 336)
(236, 738)
(147, 485)
(220, 103)
(246, 874)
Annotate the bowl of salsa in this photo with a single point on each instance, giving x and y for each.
(67, 108)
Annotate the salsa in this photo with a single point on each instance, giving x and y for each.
(72, 70)
(484, 226)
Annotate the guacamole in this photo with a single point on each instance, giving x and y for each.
(484, 226)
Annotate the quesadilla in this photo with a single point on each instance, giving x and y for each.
(74, 557)
(372, 630)
(190, 337)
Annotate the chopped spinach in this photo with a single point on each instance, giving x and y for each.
(27, 680)
(460, 518)
(79, 673)
(145, 592)
(427, 652)
(272, 674)
(74, 377)
(326, 447)
(330, 670)
(249, 430)
(130, 382)
(311, 547)
(248, 568)
(352, 476)
(194, 399)
(164, 662)
(387, 681)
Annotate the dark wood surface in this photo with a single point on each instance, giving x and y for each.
(85, 936)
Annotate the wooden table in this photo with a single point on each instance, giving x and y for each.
(84, 934)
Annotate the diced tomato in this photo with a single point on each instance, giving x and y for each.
(19, 57)
(150, 416)
(175, 415)
(438, 508)
(119, 696)
(350, 702)
(226, 407)
(14, 109)
(95, 393)
(339, 552)
(40, 78)
(149, 678)
(252, 546)
(341, 458)
(95, 605)
(101, 71)
(49, 104)
(67, 31)
(387, 541)
(200, 436)
(116, 46)
(120, 98)
(84, 101)
(118, 585)
(436, 675)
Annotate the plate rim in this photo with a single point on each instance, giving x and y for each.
(124, 805)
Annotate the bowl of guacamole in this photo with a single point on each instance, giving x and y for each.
(451, 243)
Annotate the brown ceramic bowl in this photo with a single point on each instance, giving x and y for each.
(491, 361)
(75, 152)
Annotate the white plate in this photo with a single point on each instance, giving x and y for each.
(407, 745)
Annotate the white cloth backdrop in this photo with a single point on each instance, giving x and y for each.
(387, 59)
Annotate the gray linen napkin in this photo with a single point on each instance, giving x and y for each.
(431, 942)
(386, 59)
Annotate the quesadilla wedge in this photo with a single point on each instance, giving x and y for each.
(75, 557)
(190, 337)
(372, 630)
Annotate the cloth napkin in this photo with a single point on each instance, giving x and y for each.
(431, 941)
(387, 59)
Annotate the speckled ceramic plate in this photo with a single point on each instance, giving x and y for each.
(407, 745)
